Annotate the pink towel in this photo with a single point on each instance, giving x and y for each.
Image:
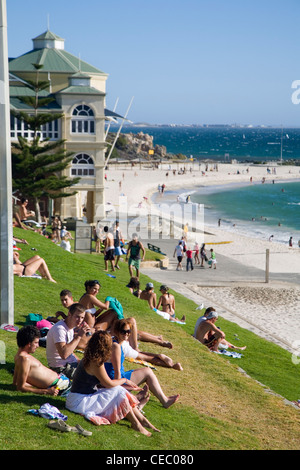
(43, 324)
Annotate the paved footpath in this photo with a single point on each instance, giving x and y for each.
(229, 273)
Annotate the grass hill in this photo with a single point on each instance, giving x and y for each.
(219, 407)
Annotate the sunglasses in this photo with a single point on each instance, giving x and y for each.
(125, 332)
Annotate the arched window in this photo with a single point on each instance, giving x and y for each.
(83, 120)
(82, 165)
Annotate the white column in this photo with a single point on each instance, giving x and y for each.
(6, 233)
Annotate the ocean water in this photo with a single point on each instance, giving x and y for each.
(257, 210)
(225, 143)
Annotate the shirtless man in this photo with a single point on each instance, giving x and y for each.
(30, 375)
(208, 334)
(198, 332)
(149, 295)
(109, 249)
(23, 212)
(167, 302)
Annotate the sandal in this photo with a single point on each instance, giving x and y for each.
(59, 425)
(79, 429)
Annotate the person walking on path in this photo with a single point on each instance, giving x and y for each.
(133, 253)
(179, 253)
(189, 259)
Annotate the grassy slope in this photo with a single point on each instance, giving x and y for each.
(219, 408)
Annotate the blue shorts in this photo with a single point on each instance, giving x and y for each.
(118, 251)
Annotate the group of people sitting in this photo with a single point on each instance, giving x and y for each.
(97, 386)
(166, 300)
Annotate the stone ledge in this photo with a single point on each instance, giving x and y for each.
(162, 263)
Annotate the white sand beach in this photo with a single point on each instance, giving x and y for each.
(270, 310)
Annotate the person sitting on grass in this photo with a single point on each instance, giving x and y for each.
(66, 298)
(134, 353)
(30, 266)
(134, 286)
(94, 307)
(30, 375)
(62, 340)
(167, 302)
(115, 366)
(149, 295)
(99, 398)
(210, 335)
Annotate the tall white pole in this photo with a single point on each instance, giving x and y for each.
(6, 232)
(118, 133)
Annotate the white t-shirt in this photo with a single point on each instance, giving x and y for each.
(59, 333)
(179, 250)
(128, 350)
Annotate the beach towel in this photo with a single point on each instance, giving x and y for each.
(139, 361)
(229, 353)
(115, 305)
(166, 316)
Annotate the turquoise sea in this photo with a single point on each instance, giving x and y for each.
(226, 143)
(258, 210)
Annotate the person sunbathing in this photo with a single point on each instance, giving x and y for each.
(94, 307)
(149, 295)
(167, 302)
(30, 375)
(209, 334)
(31, 266)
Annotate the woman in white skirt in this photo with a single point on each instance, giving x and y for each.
(98, 398)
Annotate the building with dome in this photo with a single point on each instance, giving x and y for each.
(78, 90)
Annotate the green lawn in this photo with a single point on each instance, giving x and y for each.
(219, 407)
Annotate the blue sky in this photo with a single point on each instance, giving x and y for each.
(184, 62)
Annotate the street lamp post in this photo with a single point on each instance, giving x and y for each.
(6, 233)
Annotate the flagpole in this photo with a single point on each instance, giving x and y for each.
(281, 145)
(6, 232)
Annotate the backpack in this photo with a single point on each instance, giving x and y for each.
(33, 318)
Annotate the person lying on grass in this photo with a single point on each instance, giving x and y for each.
(31, 266)
(30, 375)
